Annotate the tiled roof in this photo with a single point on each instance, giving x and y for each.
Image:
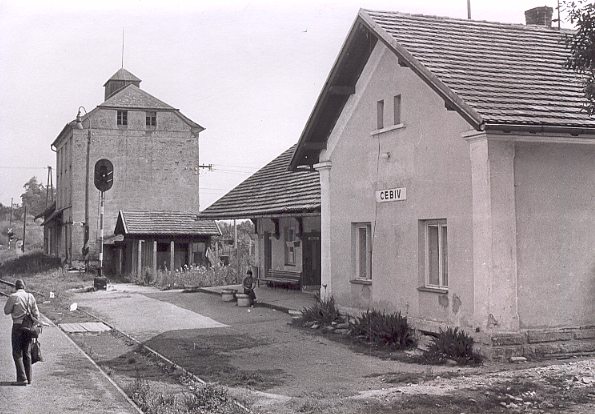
(507, 73)
(133, 97)
(164, 223)
(123, 75)
(273, 190)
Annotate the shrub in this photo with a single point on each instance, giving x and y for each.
(451, 344)
(30, 263)
(385, 329)
(202, 399)
(324, 311)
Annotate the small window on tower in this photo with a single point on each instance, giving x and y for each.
(151, 119)
(122, 118)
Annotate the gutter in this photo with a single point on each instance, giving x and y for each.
(535, 129)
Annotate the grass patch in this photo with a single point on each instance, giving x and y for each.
(390, 330)
(451, 344)
(31, 263)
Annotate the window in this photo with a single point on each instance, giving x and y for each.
(122, 118)
(397, 109)
(289, 247)
(151, 119)
(436, 253)
(362, 250)
(380, 114)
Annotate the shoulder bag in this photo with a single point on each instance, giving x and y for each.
(30, 324)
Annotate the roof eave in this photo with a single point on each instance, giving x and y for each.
(538, 128)
(315, 211)
(294, 162)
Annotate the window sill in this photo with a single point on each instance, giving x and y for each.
(442, 291)
(387, 129)
(361, 281)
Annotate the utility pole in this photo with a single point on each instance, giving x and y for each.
(469, 9)
(235, 242)
(24, 228)
(10, 232)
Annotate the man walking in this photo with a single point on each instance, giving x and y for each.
(18, 305)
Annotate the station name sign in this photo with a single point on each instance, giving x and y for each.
(392, 194)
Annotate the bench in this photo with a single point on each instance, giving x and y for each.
(282, 277)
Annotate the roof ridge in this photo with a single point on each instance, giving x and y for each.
(534, 27)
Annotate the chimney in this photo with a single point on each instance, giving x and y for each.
(540, 15)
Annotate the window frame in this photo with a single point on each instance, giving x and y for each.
(121, 117)
(356, 249)
(151, 119)
(380, 114)
(397, 101)
(442, 249)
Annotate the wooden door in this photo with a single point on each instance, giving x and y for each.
(311, 259)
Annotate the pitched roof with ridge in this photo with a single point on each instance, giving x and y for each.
(123, 75)
(134, 97)
(271, 191)
(496, 75)
(172, 223)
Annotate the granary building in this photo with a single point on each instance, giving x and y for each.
(457, 175)
(154, 149)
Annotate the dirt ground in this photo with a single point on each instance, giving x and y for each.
(320, 377)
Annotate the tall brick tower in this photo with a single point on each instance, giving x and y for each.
(155, 152)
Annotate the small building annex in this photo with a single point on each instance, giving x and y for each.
(457, 178)
(285, 209)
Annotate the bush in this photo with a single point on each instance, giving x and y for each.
(30, 263)
(324, 312)
(202, 399)
(384, 329)
(186, 277)
(451, 344)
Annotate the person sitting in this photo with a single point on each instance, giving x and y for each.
(248, 283)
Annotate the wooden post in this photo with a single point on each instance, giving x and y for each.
(171, 256)
(139, 259)
(154, 258)
(189, 254)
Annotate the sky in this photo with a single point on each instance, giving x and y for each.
(248, 71)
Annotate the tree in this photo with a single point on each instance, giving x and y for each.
(34, 197)
(581, 43)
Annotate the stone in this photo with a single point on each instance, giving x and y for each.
(548, 336)
(315, 326)
(343, 325)
(342, 331)
(450, 362)
(508, 339)
(518, 359)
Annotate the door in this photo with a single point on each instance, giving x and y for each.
(311, 259)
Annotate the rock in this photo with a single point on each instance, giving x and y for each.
(518, 359)
(503, 404)
(342, 331)
(450, 362)
(587, 380)
(343, 325)
(315, 326)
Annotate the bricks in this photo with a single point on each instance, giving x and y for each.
(508, 339)
(547, 336)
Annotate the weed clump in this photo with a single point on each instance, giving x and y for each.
(385, 329)
(451, 344)
(202, 399)
(323, 312)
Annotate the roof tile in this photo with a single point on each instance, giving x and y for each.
(166, 223)
(508, 73)
(273, 190)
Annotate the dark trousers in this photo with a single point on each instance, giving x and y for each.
(251, 294)
(21, 353)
